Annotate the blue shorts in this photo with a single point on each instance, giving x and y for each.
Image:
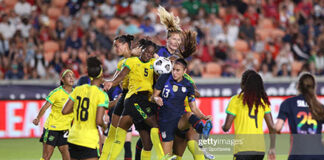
(168, 129)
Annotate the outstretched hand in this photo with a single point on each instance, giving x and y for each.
(107, 85)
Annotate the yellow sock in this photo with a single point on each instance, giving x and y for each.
(145, 155)
(195, 151)
(156, 142)
(118, 144)
(42, 158)
(178, 157)
(108, 143)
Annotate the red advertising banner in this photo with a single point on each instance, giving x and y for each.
(16, 116)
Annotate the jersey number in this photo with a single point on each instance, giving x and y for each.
(307, 119)
(145, 72)
(165, 93)
(84, 108)
(255, 117)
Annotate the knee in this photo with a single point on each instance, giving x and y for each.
(188, 115)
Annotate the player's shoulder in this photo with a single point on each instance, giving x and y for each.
(56, 90)
(100, 91)
(186, 76)
(236, 97)
(293, 99)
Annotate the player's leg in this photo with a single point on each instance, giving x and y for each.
(64, 149)
(127, 145)
(206, 153)
(152, 122)
(139, 147)
(180, 144)
(192, 144)
(48, 139)
(121, 131)
(143, 130)
(117, 112)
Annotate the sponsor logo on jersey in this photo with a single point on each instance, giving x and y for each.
(301, 103)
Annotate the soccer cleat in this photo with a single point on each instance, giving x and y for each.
(207, 128)
(169, 157)
(208, 155)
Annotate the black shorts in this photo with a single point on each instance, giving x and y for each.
(119, 108)
(168, 129)
(54, 138)
(249, 155)
(139, 108)
(142, 126)
(80, 152)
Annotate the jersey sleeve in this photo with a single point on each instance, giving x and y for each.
(129, 63)
(103, 100)
(232, 107)
(120, 64)
(189, 78)
(191, 93)
(72, 95)
(267, 109)
(283, 111)
(51, 96)
(161, 81)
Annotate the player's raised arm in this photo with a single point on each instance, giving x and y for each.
(41, 112)
(116, 80)
(197, 111)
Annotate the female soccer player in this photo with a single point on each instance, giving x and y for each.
(138, 109)
(88, 103)
(170, 93)
(57, 125)
(305, 116)
(247, 110)
(122, 45)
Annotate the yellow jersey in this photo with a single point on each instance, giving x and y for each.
(187, 107)
(56, 121)
(141, 76)
(125, 81)
(248, 127)
(87, 98)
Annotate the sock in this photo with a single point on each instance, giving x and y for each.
(108, 143)
(156, 142)
(42, 158)
(178, 157)
(195, 151)
(139, 147)
(118, 144)
(196, 123)
(128, 151)
(145, 155)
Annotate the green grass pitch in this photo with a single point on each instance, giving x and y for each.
(31, 149)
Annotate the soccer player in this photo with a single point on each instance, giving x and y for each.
(170, 93)
(122, 45)
(305, 116)
(88, 104)
(56, 127)
(138, 109)
(247, 110)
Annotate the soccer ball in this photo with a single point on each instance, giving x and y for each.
(162, 65)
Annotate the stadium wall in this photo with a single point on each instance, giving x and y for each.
(16, 116)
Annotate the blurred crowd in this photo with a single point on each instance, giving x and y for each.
(277, 38)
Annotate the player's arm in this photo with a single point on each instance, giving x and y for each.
(272, 130)
(228, 122)
(41, 112)
(282, 116)
(114, 102)
(156, 97)
(197, 111)
(99, 117)
(68, 107)
(197, 94)
(116, 80)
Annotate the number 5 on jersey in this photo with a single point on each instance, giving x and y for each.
(84, 104)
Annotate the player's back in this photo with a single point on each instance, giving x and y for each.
(86, 100)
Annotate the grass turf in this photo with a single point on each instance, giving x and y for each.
(31, 149)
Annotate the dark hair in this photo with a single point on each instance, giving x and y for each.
(253, 91)
(144, 43)
(171, 32)
(189, 43)
(94, 66)
(182, 62)
(307, 87)
(125, 39)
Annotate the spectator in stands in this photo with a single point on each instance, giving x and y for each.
(7, 28)
(269, 61)
(107, 9)
(138, 8)
(247, 31)
(65, 17)
(264, 72)
(284, 72)
(318, 59)
(128, 28)
(38, 63)
(14, 73)
(4, 46)
(73, 41)
(252, 15)
(147, 27)
(228, 71)
(300, 49)
(23, 8)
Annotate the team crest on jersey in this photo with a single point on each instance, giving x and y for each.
(175, 88)
(163, 134)
(184, 89)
